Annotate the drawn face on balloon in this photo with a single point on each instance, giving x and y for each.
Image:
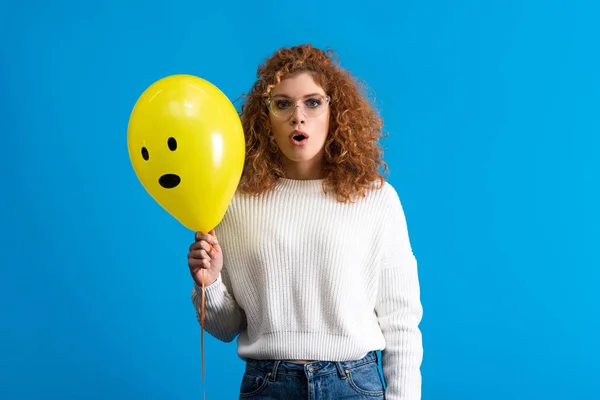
(167, 159)
(169, 150)
(167, 180)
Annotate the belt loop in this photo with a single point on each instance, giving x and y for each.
(273, 373)
(376, 357)
(340, 369)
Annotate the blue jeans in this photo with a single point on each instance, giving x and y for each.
(319, 380)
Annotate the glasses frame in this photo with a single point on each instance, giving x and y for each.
(323, 97)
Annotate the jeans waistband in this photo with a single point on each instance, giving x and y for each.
(290, 368)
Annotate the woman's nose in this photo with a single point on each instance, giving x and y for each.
(297, 115)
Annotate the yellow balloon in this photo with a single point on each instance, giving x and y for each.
(187, 147)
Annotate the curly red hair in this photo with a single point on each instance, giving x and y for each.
(353, 156)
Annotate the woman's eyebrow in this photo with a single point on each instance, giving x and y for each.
(305, 96)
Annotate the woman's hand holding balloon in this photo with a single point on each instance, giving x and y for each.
(205, 254)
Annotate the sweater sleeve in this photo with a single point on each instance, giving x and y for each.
(399, 308)
(223, 317)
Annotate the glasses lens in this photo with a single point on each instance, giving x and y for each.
(282, 107)
(311, 107)
(315, 106)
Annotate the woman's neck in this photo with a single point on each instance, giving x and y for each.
(304, 170)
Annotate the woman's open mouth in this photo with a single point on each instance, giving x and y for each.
(298, 138)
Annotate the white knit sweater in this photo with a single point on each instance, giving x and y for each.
(306, 277)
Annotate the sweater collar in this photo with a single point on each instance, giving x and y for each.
(300, 186)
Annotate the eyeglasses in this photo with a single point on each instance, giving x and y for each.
(283, 107)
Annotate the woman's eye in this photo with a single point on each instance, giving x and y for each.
(313, 103)
(281, 104)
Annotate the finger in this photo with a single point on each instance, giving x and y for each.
(201, 244)
(195, 246)
(204, 255)
(215, 242)
(204, 245)
(206, 236)
(195, 266)
(199, 255)
(211, 246)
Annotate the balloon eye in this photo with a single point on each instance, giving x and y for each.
(172, 144)
(145, 153)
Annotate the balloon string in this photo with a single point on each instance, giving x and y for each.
(202, 333)
(202, 324)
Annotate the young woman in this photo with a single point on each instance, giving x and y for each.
(311, 268)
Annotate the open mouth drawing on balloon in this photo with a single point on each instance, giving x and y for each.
(169, 181)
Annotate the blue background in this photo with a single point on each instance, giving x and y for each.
(493, 113)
